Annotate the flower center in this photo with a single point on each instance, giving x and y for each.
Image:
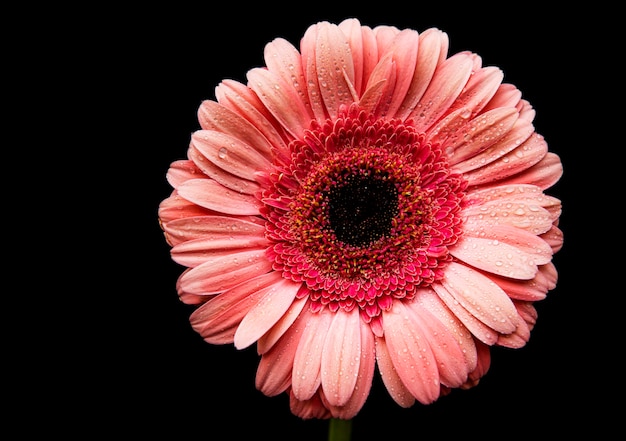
(361, 210)
(363, 213)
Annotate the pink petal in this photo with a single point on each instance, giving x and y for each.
(341, 357)
(478, 329)
(308, 409)
(224, 272)
(181, 171)
(453, 368)
(480, 88)
(362, 45)
(410, 353)
(282, 58)
(308, 359)
(520, 132)
(335, 68)
(507, 95)
(262, 316)
(214, 196)
(554, 238)
(517, 205)
(448, 81)
(309, 65)
(480, 133)
(273, 374)
(520, 337)
(404, 57)
(243, 101)
(214, 228)
(365, 376)
(428, 299)
(174, 207)
(432, 49)
(503, 250)
(281, 100)
(221, 176)
(389, 375)
(269, 339)
(215, 117)
(543, 174)
(217, 319)
(481, 297)
(534, 289)
(230, 153)
(524, 156)
(196, 252)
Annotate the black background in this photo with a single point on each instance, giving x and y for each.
(144, 372)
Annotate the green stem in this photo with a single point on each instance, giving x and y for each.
(339, 430)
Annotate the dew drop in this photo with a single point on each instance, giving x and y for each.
(222, 153)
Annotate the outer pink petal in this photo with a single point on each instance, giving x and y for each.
(534, 289)
(356, 36)
(181, 171)
(276, 365)
(428, 299)
(213, 228)
(230, 153)
(307, 49)
(377, 85)
(341, 357)
(432, 50)
(174, 207)
(503, 250)
(365, 375)
(217, 319)
(524, 156)
(214, 196)
(507, 95)
(480, 133)
(267, 341)
(554, 237)
(308, 409)
(453, 368)
(480, 88)
(446, 85)
(517, 205)
(511, 193)
(270, 308)
(281, 100)
(481, 297)
(282, 58)
(479, 329)
(221, 176)
(392, 381)
(335, 67)
(243, 101)
(520, 337)
(215, 117)
(410, 352)
(404, 58)
(520, 132)
(482, 366)
(196, 252)
(543, 174)
(308, 359)
(224, 272)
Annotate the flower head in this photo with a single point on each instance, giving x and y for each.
(365, 202)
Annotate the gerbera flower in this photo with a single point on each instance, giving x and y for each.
(365, 203)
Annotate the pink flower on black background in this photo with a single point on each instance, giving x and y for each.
(365, 203)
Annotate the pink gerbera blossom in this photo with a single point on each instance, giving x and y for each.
(365, 202)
